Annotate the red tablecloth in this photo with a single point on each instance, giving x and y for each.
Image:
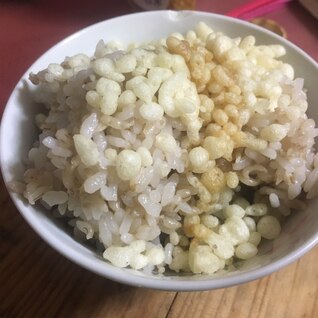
(29, 27)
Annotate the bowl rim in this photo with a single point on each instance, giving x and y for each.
(111, 272)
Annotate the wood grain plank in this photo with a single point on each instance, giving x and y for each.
(35, 281)
(305, 288)
(291, 293)
(121, 301)
(28, 270)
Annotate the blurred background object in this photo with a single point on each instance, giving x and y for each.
(311, 6)
(270, 25)
(149, 4)
(255, 8)
(162, 4)
(182, 4)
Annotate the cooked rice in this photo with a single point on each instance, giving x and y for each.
(152, 149)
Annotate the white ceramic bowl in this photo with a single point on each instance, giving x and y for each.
(299, 234)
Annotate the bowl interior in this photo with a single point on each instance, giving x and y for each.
(18, 133)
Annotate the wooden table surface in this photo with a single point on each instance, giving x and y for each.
(35, 281)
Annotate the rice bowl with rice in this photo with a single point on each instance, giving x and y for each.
(181, 154)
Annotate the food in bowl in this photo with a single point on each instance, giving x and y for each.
(181, 154)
